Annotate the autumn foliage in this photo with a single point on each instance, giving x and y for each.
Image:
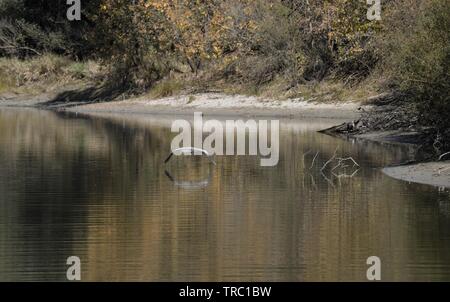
(244, 42)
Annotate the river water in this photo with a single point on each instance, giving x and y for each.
(96, 187)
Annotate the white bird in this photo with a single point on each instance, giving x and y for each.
(189, 151)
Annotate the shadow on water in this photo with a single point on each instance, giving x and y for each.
(96, 187)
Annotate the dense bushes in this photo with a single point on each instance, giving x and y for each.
(248, 42)
(28, 27)
(417, 57)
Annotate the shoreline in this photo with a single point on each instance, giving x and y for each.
(223, 105)
(219, 104)
(213, 104)
(428, 173)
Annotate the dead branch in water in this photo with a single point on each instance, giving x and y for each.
(304, 154)
(330, 160)
(342, 160)
(327, 179)
(344, 175)
(341, 163)
(314, 159)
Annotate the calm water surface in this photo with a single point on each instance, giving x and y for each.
(97, 188)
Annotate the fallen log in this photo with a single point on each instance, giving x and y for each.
(344, 128)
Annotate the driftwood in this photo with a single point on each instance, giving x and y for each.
(387, 111)
(344, 128)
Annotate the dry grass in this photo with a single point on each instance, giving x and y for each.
(50, 72)
(166, 88)
(44, 73)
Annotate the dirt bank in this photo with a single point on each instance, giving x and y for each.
(430, 173)
(215, 104)
(224, 105)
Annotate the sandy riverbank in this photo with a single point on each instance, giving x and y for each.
(214, 104)
(430, 173)
(217, 104)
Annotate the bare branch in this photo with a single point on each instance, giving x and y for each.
(330, 160)
(314, 159)
(21, 47)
